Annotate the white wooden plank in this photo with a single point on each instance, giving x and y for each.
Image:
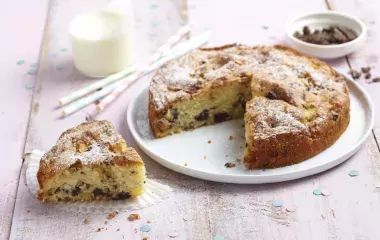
(20, 41)
(234, 211)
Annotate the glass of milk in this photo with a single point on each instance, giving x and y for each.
(103, 41)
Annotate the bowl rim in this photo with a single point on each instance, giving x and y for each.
(360, 38)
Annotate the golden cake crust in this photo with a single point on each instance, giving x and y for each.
(280, 78)
(91, 144)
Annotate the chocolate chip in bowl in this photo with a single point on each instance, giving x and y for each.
(326, 35)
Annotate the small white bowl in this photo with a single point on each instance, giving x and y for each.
(320, 20)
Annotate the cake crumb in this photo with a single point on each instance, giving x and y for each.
(148, 221)
(231, 138)
(27, 211)
(185, 164)
(99, 230)
(204, 157)
(105, 222)
(144, 238)
(117, 229)
(111, 215)
(238, 160)
(229, 165)
(209, 141)
(332, 212)
(86, 221)
(133, 216)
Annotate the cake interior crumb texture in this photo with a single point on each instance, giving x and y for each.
(90, 162)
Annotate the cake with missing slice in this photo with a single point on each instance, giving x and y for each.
(294, 106)
(90, 162)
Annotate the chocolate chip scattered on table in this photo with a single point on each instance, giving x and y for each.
(355, 74)
(229, 165)
(327, 36)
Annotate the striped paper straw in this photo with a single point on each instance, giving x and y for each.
(179, 50)
(117, 76)
(197, 42)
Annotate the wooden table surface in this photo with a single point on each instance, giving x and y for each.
(232, 211)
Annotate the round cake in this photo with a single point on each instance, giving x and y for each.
(294, 106)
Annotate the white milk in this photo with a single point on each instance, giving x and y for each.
(103, 41)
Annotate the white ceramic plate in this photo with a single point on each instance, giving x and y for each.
(191, 147)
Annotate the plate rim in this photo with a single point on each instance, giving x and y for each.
(256, 179)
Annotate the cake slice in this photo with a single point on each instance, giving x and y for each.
(275, 134)
(90, 162)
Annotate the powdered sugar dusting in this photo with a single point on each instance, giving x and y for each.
(94, 137)
(186, 76)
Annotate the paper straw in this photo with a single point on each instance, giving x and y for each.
(179, 50)
(201, 40)
(117, 76)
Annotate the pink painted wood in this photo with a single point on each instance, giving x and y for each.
(369, 55)
(234, 211)
(22, 33)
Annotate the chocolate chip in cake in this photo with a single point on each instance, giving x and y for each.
(203, 62)
(75, 191)
(335, 116)
(175, 114)
(236, 103)
(271, 95)
(99, 192)
(122, 195)
(202, 116)
(221, 117)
